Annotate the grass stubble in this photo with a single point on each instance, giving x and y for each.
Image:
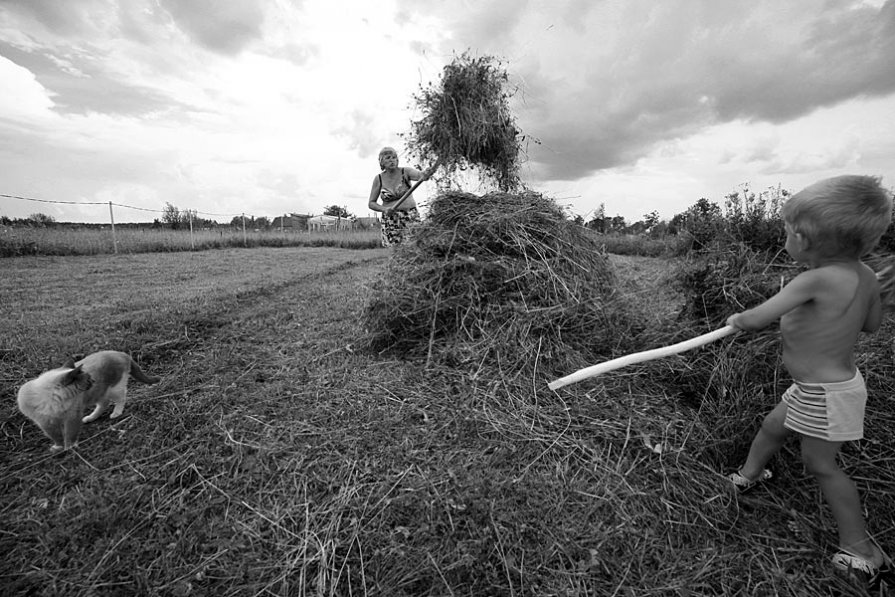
(278, 457)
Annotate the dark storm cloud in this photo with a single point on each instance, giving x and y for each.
(602, 84)
(62, 18)
(840, 55)
(88, 90)
(224, 27)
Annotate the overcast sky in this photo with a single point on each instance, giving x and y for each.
(270, 106)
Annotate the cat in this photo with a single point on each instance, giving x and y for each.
(55, 400)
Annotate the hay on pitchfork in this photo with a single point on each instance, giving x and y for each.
(504, 278)
(467, 121)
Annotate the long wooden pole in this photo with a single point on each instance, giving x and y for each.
(192, 241)
(112, 220)
(640, 357)
(416, 184)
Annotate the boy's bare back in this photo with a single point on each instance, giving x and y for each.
(820, 334)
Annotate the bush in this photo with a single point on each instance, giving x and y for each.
(748, 219)
(755, 220)
(726, 278)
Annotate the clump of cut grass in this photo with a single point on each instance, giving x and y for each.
(503, 277)
(467, 121)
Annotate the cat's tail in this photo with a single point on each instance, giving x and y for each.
(138, 374)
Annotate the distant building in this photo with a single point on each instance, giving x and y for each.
(291, 222)
(364, 223)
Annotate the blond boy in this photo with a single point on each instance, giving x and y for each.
(830, 225)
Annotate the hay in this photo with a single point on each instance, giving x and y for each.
(504, 278)
(726, 278)
(467, 121)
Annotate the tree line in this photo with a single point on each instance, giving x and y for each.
(172, 218)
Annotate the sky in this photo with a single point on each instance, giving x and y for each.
(265, 107)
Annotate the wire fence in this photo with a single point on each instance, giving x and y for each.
(112, 205)
(287, 222)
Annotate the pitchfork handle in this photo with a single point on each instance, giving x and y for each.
(415, 185)
(639, 357)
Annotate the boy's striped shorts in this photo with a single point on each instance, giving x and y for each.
(829, 411)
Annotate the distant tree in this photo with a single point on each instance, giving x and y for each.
(703, 220)
(262, 222)
(578, 220)
(638, 227)
(187, 217)
(598, 222)
(205, 223)
(617, 224)
(42, 219)
(336, 210)
(171, 216)
(651, 219)
(677, 223)
(659, 230)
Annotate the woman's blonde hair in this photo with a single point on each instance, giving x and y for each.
(386, 149)
(840, 216)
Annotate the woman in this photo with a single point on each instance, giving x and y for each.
(389, 186)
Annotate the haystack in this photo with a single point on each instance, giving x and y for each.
(503, 278)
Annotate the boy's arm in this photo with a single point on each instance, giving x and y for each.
(801, 290)
(874, 314)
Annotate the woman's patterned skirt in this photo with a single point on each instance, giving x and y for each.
(396, 226)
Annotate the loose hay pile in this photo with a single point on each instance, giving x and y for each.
(504, 278)
(467, 121)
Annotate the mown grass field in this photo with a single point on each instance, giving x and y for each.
(277, 457)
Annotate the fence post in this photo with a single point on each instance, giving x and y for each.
(245, 241)
(192, 242)
(112, 219)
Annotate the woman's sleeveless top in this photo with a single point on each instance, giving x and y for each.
(387, 195)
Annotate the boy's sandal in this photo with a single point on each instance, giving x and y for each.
(743, 483)
(864, 571)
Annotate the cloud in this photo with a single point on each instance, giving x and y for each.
(86, 60)
(603, 84)
(224, 27)
(843, 53)
(361, 133)
(90, 87)
(21, 95)
(61, 18)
